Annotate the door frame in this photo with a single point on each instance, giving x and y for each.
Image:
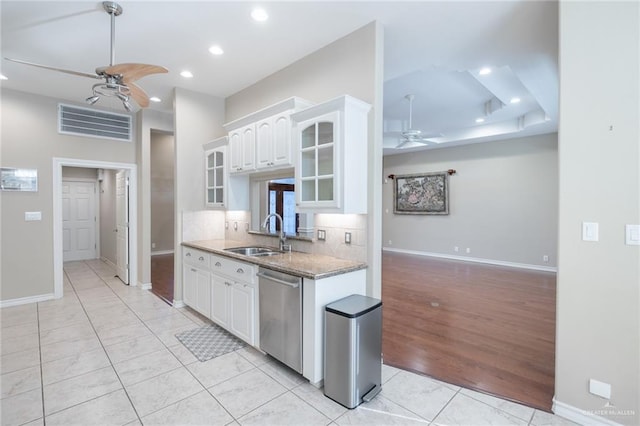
(58, 263)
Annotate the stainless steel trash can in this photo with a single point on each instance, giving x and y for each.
(353, 350)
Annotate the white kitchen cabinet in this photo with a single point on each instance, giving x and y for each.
(273, 142)
(196, 281)
(233, 297)
(330, 141)
(262, 140)
(215, 178)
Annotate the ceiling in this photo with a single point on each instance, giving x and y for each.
(433, 49)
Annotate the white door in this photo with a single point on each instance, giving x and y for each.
(78, 220)
(122, 225)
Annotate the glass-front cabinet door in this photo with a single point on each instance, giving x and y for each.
(317, 162)
(215, 178)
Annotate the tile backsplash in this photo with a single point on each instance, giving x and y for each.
(211, 225)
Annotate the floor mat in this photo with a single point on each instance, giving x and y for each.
(209, 341)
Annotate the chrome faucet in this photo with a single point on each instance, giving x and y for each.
(283, 236)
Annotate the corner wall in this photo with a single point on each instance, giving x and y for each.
(598, 296)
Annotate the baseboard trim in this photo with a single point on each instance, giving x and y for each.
(108, 262)
(178, 304)
(161, 252)
(580, 416)
(473, 259)
(26, 300)
(145, 286)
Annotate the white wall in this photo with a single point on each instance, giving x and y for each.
(30, 140)
(598, 297)
(198, 119)
(503, 202)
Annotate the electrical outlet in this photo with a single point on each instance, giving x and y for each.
(153, 245)
(390, 242)
(347, 237)
(226, 225)
(235, 226)
(545, 258)
(322, 235)
(456, 249)
(468, 250)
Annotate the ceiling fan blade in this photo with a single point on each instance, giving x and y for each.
(133, 72)
(81, 74)
(138, 95)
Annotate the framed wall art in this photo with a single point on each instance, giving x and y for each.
(426, 193)
(18, 179)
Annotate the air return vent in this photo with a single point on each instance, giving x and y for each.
(89, 122)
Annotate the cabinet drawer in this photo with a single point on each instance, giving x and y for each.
(195, 257)
(238, 271)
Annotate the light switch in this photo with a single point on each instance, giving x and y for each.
(589, 231)
(632, 235)
(32, 216)
(322, 235)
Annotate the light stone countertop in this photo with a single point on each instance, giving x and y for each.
(306, 265)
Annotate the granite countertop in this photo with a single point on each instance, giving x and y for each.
(306, 265)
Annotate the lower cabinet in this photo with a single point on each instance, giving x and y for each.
(225, 292)
(197, 289)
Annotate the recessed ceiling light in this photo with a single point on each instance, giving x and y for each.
(186, 74)
(479, 120)
(259, 15)
(515, 100)
(155, 99)
(216, 50)
(484, 71)
(3, 77)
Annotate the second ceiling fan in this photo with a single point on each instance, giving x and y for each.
(411, 135)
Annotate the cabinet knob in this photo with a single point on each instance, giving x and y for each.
(218, 264)
(193, 270)
(240, 271)
(227, 283)
(201, 258)
(188, 254)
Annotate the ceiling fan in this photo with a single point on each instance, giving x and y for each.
(118, 78)
(411, 136)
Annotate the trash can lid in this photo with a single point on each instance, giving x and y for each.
(353, 306)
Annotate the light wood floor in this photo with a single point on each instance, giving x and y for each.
(483, 327)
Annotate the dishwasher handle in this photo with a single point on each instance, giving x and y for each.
(295, 284)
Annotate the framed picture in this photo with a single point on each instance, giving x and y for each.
(426, 193)
(18, 179)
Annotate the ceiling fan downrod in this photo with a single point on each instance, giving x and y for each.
(113, 9)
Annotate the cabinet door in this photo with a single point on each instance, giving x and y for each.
(215, 179)
(203, 293)
(219, 300)
(248, 148)
(235, 150)
(264, 144)
(189, 286)
(242, 314)
(316, 177)
(281, 134)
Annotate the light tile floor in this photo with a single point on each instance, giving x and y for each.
(106, 354)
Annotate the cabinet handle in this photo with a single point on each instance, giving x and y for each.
(193, 270)
(240, 271)
(218, 264)
(227, 283)
(188, 255)
(201, 258)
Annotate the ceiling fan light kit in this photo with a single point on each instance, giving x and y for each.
(118, 78)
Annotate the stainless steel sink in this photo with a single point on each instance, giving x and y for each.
(255, 251)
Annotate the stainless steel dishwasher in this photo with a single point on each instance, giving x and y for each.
(281, 317)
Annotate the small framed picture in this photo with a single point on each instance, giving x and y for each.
(18, 179)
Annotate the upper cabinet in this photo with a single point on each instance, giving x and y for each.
(330, 142)
(262, 140)
(215, 160)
